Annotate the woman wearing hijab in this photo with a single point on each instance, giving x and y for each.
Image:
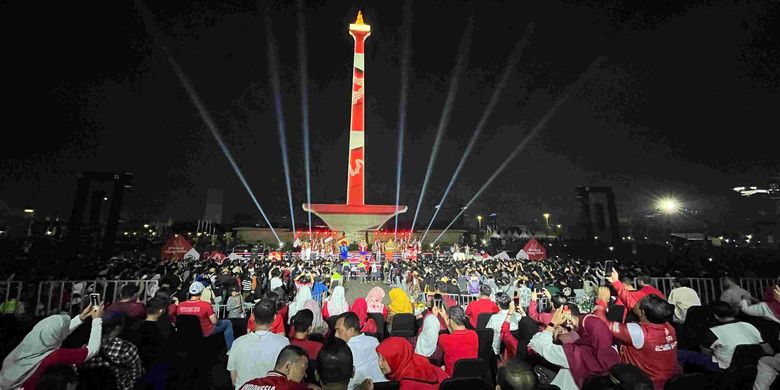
(591, 354)
(303, 295)
(426, 343)
(399, 363)
(374, 301)
(336, 304)
(318, 325)
(40, 349)
(769, 309)
(360, 307)
(399, 303)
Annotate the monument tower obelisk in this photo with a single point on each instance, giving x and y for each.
(355, 215)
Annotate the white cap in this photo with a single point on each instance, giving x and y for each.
(196, 288)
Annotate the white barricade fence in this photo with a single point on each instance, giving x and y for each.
(10, 292)
(756, 286)
(705, 287)
(71, 296)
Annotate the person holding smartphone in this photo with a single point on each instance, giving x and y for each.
(40, 349)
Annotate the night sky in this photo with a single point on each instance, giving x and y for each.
(685, 103)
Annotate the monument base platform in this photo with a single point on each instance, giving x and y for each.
(354, 218)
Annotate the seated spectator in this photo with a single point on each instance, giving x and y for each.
(768, 369)
(460, 343)
(318, 324)
(59, 377)
(282, 310)
(360, 308)
(335, 304)
(632, 298)
(235, 303)
(496, 320)
(152, 345)
(683, 297)
(543, 317)
(482, 305)
(769, 309)
(515, 374)
(40, 349)
(426, 343)
(720, 340)
(205, 314)
(374, 301)
(399, 303)
(363, 349)
(302, 325)
(254, 353)
(335, 366)
(128, 304)
(121, 357)
(303, 295)
(288, 372)
(733, 294)
(650, 344)
(398, 362)
(590, 354)
(621, 377)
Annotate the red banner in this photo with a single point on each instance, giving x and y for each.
(175, 248)
(535, 250)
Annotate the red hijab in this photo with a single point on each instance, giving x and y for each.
(592, 353)
(360, 307)
(404, 363)
(770, 300)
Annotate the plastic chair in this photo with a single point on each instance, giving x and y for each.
(746, 355)
(472, 368)
(404, 325)
(688, 382)
(464, 383)
(390, 385)
(482, 320)
(485, 351)
(380, 325)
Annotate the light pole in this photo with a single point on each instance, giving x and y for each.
(546, 220)
(479, 220)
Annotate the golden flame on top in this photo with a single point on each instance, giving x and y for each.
(359, 18)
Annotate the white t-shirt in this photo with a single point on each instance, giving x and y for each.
(365, 359)
(727, 337)
(254, 354)
(682, 298)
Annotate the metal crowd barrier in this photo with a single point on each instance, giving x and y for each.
(11, 292)
(705, 287)
(756, 286)
(71, 296)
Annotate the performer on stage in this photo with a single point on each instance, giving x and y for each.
(389, 248)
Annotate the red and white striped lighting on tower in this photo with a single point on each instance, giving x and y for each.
(355, 215)
(357, 158)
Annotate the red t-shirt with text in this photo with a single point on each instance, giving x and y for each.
(200, 309)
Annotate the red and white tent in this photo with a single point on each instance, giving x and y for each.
(175, 248)
(535, 250)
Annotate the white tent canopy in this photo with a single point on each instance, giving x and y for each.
(521, 255)
(192, 254)
(502, 256)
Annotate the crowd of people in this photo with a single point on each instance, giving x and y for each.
(563, 323)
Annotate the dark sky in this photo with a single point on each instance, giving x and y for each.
(686, 102)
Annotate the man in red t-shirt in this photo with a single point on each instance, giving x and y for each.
(461, 343)
(481, 305)
(631, 298)
(301, 322)
(205, 314)
(650, 344)
(287, 374)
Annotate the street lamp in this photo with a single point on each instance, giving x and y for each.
(668, 206)
(479, 220)
(547, 220)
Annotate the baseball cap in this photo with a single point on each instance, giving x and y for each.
(196, 288)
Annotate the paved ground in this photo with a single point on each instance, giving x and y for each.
(355, 289)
